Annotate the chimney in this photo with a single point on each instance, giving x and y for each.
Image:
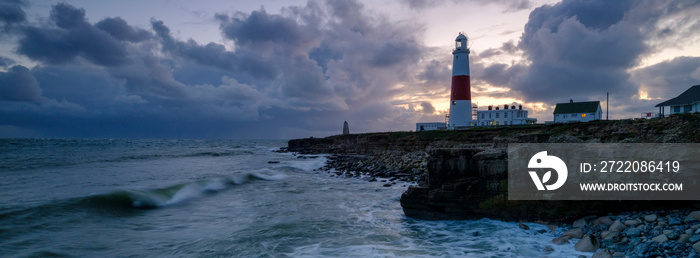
(512, 107)
(505, 106)
(490, 107)
(520, 107)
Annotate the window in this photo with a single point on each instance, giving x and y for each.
(497, 115)
(677, 109)
(583, 115)
(458, 44)
(482, 115)
(505, 115)
(489, 115)
(454, 102)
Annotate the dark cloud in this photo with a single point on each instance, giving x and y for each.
(427, 108)
(511, 5)
(74, 37)
(580, 49)
(18, 84)
(11, 12)
(119, 29)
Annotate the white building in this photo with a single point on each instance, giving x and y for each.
(509, 115)
(430, 126)
(577, 112)
(687, 102)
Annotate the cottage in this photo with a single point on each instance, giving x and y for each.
(688, 101)
(577, 111)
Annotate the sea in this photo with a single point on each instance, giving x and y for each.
(220, 198)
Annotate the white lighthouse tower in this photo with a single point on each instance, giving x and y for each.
(461, 97)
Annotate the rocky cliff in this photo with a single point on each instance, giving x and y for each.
(466, 173)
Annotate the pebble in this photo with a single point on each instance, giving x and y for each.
(560, 240)
(694, 239)
(617, 226)
(650, 218)
(632, 222)
(523, 226)
(692, 216)
(548, 249)
(602, 253)
(660, 238)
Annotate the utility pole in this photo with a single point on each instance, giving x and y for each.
(607, 105)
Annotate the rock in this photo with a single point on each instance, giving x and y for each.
(541, 231)
(605, 220)
(695, 227)
(696, 247)
(587, 244)
(617, 226)
(640, 249)
(552, 227)
(618, 254)
(694, 239)
(632, 222)
(548, 249)
(372, 179)
(580, 223)
(650, 218)
(602, 253)
(273, 162)
(560, 240)
(633, 232)
(523, 226)
(605, 234)
(387, 185)
(683, 238)
(573, 233)
(673, 235)
(476, 233)
(697, 231)
(692, 216)
(660, 238)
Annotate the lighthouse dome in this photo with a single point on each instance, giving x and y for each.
(461, 42)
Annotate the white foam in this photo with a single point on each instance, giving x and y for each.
(187, 192)
(481, 238)
(309, 164)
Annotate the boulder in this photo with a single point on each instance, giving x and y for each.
(587, 244)
(696, 247)
(573, 233)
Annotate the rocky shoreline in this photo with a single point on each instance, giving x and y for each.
(463, 175)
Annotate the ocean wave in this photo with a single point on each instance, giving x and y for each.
(128, 202)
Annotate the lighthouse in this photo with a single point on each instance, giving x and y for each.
(460, 97)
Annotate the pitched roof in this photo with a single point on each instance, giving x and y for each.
(688, 97)
(577, 107)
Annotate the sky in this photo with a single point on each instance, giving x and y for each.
(277, 69)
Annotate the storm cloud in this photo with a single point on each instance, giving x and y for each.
(582, 49)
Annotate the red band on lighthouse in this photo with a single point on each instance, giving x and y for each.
(461, 88)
